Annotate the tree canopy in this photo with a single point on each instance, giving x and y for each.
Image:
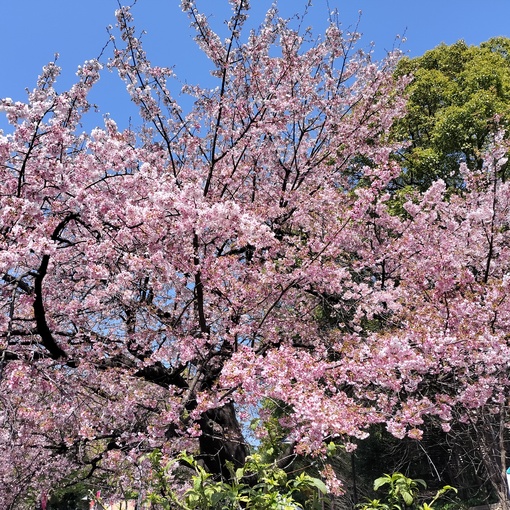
(458, 98)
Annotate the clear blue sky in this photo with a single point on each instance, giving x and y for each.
(33, 30)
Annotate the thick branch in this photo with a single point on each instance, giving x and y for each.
(40, 314)
(199, 291)
(25, 287)
(162, 376)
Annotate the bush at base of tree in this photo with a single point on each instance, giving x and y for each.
(403, 493)
(257, 486)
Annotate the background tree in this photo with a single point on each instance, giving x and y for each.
(459, 97)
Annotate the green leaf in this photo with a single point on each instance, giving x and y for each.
(319, 484)
(379, 482)
(216, 498)
(423, 483)
(332, 449)
(408, 498)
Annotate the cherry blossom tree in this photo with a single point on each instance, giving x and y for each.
(454, 333)
(155, 282)
(158, 284)
(444, 359)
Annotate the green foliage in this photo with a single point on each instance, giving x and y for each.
(457, 94)
(400, 488)
(257, 486)
(402, 493)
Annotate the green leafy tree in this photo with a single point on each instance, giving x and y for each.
(459, 96)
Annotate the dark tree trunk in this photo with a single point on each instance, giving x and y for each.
(222, 441)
